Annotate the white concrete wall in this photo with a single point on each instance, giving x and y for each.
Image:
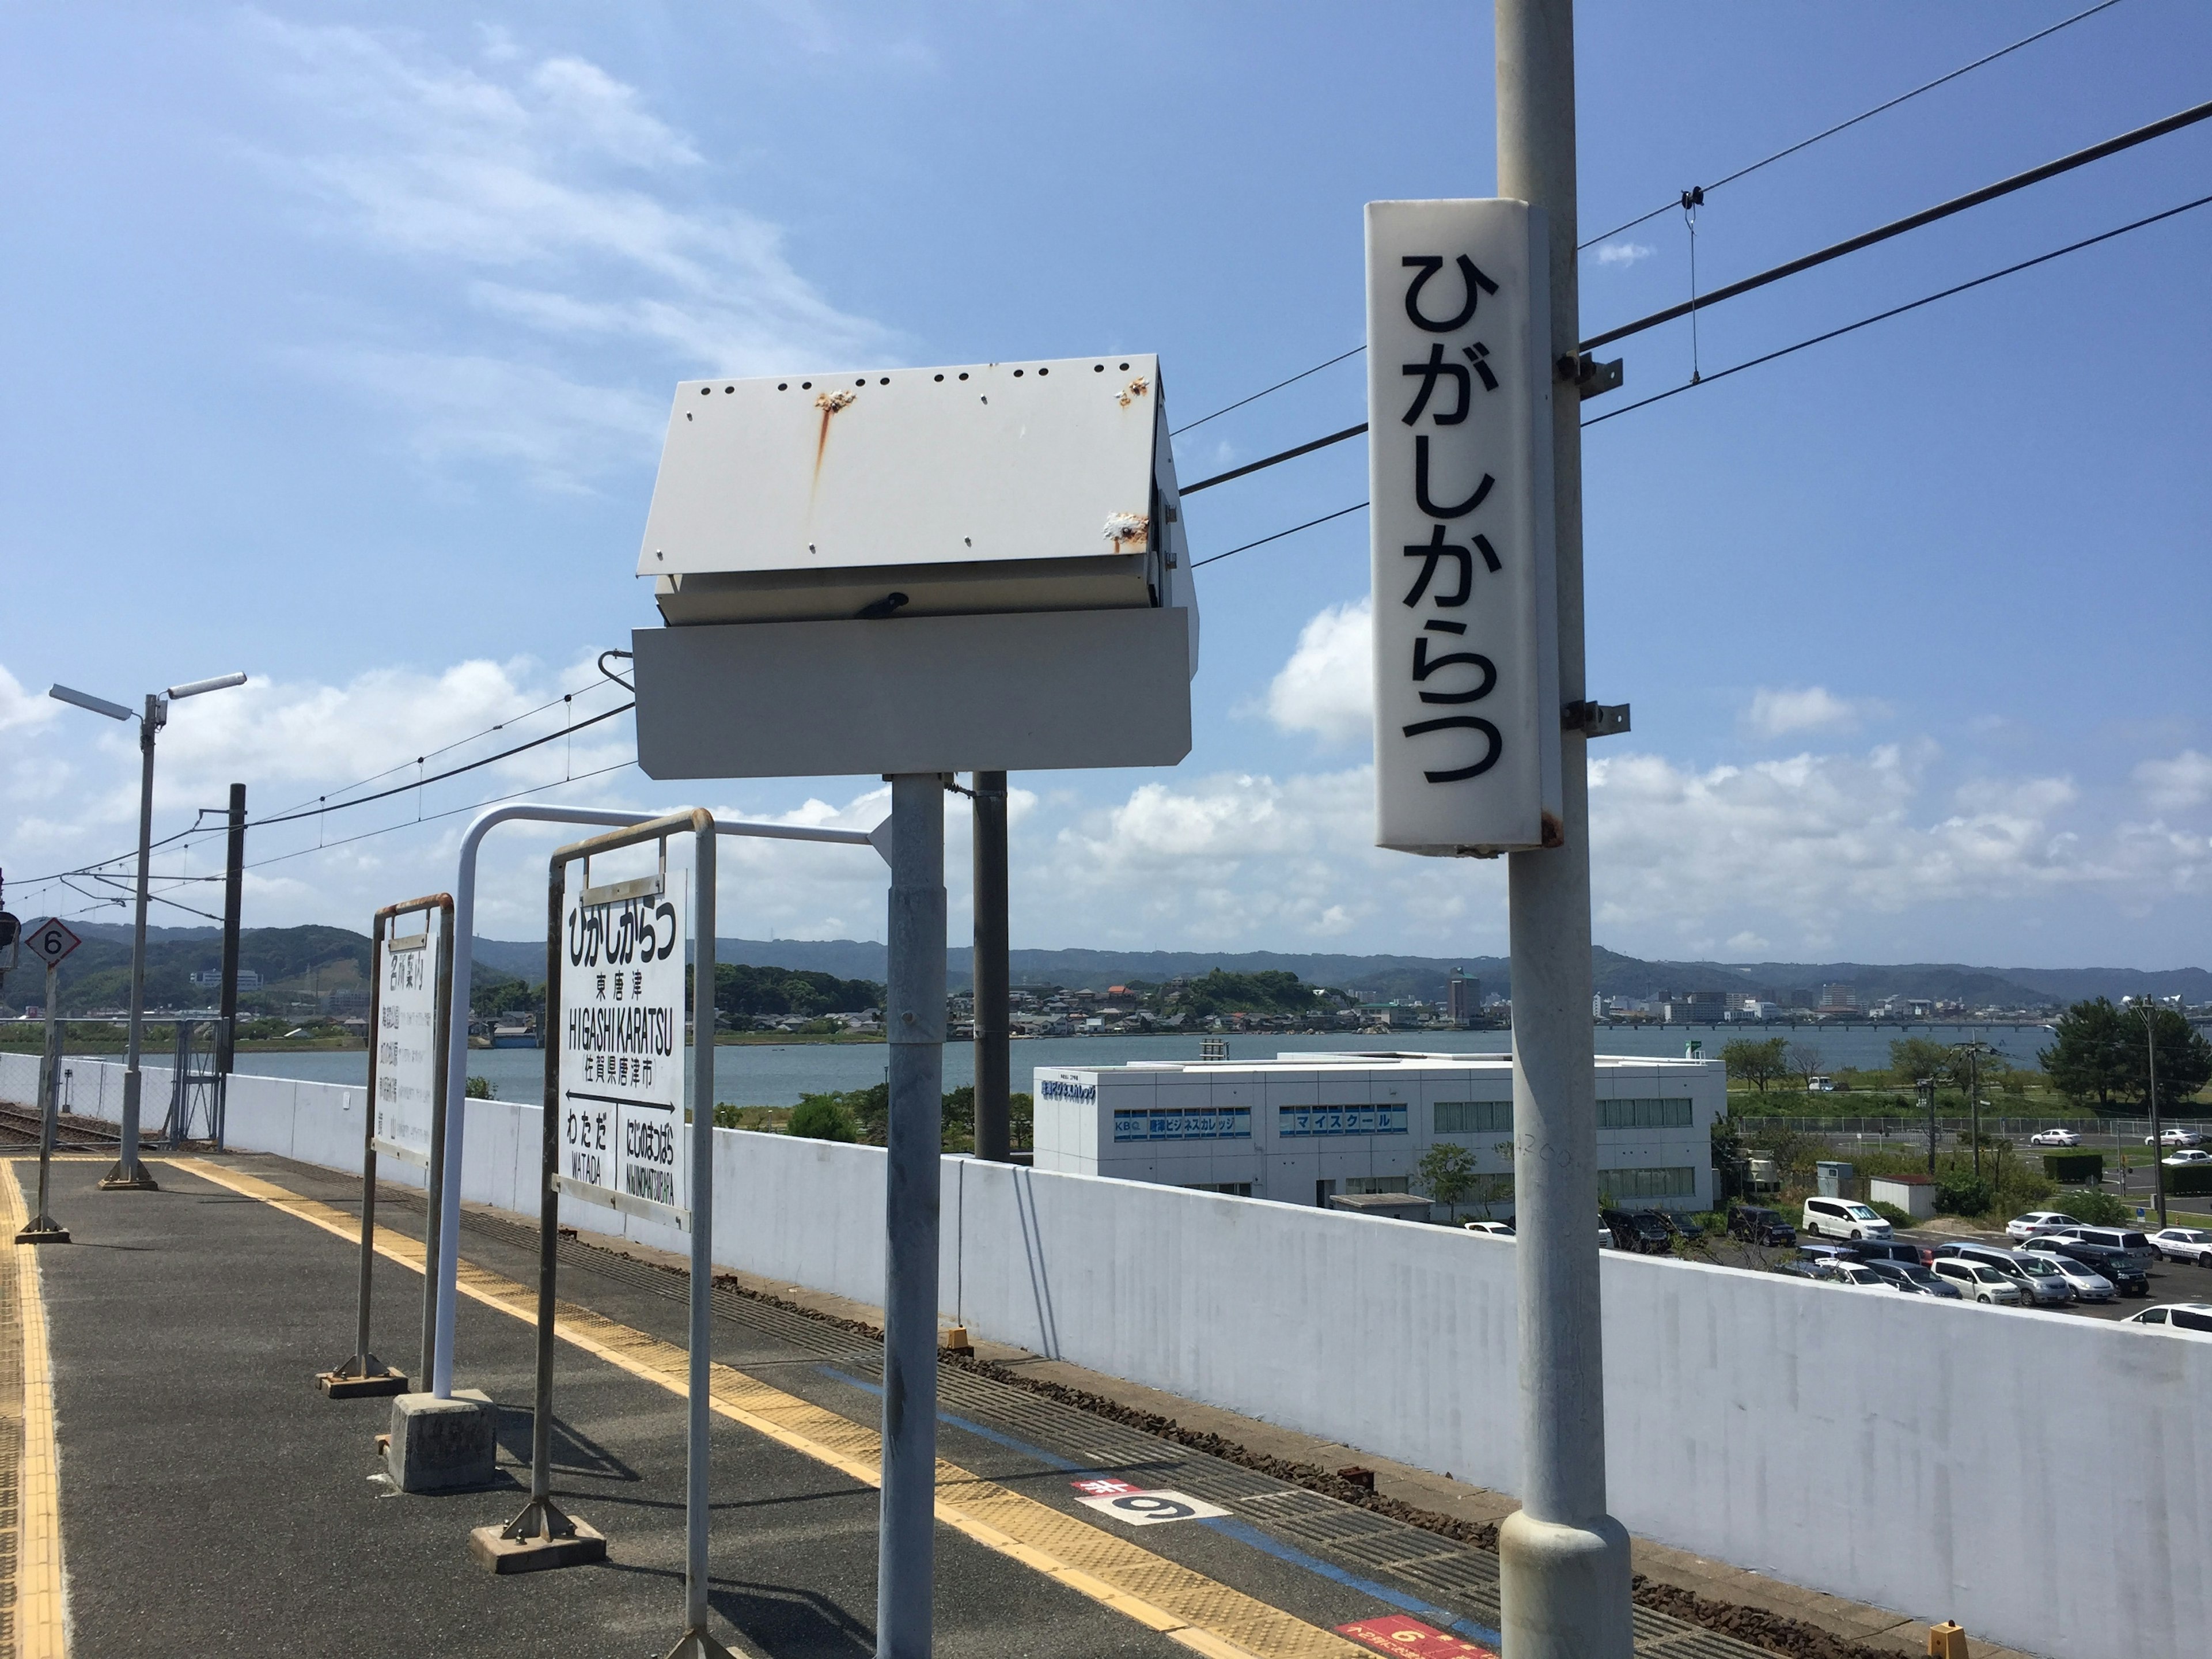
(1899, 1450)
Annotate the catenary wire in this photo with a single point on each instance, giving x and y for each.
(1817, 339)
(1277, 386)
(2034, 175)
(431, 817)
(1898, 311)
(1271, 460)
(1864, 115)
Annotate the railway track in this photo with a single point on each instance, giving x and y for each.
(19, 1129)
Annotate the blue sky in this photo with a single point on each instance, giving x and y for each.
(340, 339)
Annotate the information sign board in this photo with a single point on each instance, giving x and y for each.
(403, 1070)
(1459, 400)
(620, 1026)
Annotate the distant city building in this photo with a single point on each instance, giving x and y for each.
(1304, 1128)
(210, 979)
(348, 1003)
(1838, 999)
(1463, 998)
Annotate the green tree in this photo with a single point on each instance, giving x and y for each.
(1912, 1059)
(822, 1117)
(1447, 1172)
(2089, 1059)
(1801, 1061)
(1756, 1063)
(2184, 1058)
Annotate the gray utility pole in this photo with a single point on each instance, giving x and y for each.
(914, 1023)
(129, 1174)
(2157, 1141)
(1563, 1561)
(233, 870)
(994, 1014)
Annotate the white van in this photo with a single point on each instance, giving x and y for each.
(1841, 1218)
(1978, 1281)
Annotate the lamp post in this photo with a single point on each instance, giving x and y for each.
(129, 1174)
(2157, 1140)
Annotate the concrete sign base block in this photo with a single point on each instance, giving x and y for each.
(443, 1445)
(502, 1554)
(339, 1386)
(698, 1645)
(43, 1236)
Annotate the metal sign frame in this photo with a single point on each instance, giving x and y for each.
(542, 1528)
(365, 1374)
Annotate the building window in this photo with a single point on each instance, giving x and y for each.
(1614, 1185)
(1475, 1117)
(1377, 1184)
(1644, 1114)
(1296, 1122)
(1232, 1188)
(1173, 1123)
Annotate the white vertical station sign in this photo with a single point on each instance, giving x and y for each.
(407, 1056)
(1459, 455)
(621, 1031)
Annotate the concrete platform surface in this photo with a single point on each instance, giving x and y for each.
(213, 1500)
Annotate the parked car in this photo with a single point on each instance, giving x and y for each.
(1842, 1218)
(2039, 1221)
(2116, 1267)
(1756, 1226)
(2176, 1138)
(2134, 1245)
(2187, 1156)
(2089, 1284)
(1871, 1251)
(1645, 1231)
(2192, 1318)
(1604, 1236)
(2041, 1285)
(2054, 1137)
(1503, 1229)
(2184, 1245)
(1836, 1271)
(1913, 1278)
(1979, 1282)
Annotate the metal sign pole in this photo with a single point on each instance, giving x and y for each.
(434, 1209)
(914, 1024)
(365, 1374)
(994, 1080)
(44, 1230)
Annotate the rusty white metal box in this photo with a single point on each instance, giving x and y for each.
(977, 489)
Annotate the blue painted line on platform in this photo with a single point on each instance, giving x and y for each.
(1244, 1531)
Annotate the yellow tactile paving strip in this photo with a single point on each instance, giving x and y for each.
(1195, 1611)
(41, 1621)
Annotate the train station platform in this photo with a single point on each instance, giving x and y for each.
(181, 1488)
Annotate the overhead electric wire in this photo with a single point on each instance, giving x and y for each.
(1830, 132)
(431, 817)
(1271, 460)
(1277, 386)
(1911, 222)
(1897, 310)
(1279, 534)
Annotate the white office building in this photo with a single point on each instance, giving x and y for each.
(1303, 1128)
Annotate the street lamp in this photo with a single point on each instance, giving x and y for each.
(129, 1174)
(2157, 1140)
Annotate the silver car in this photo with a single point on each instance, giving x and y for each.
(2085, 1282)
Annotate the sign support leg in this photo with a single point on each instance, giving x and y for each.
(994, 1066)
(542, 1535)
(1563, 1561)
(43, 1229)
(915, 1026)
(695, 1643)
(365, 1374)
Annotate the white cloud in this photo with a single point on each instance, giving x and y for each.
(1775, 713)
(2170, 785)
(22, 710)
(1748, 943)
(1327, 687)
(546, 195)
(1624, 253)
